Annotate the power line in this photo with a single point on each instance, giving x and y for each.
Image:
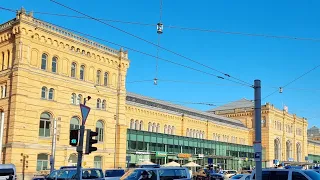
(180, 27)
(147, 41)
(153, 56)
(294, 80)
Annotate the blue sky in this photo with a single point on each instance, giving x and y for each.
(274, 61)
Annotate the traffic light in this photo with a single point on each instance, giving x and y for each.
(90, 141)
(74, 137)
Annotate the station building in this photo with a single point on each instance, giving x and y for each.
(46, 71)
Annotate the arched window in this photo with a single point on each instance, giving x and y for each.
(44, 126)
(42, 162)
(98, 80)
(158, 128)
(74, 123)
(73, 69)
(165, 130)
(277, 149)
(54, 65)
(105, 79)
(51, 94)
(132, 125)
(198, 135)
(187, 133)
(73, 160)
(173, 130)
(137, 125)
(150, 127)
(169, 129)
(201, 135)
(44, 91)
(104, 104)
(154, 127)
(288, 150)
(98, 103)
(141, 125)
(44, 61)
(298, 152)
(97, 161)
(73, 98)
(79, 99)
(82, 72)
(99, 130)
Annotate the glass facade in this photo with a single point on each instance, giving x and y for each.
(314, 158)
(146, 146)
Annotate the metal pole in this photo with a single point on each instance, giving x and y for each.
(54, 142)
(1, 135)
(257, 115)
(117, 117)
(80, 148)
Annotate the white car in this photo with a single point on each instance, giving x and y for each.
(287, 174)
(241, 176)
(228, 173)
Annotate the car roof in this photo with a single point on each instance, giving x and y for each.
(163, 168)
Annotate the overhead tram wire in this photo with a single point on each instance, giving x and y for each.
(147, 41)
(159, 32)
(179, 27)
(150, 55)
(294, 80)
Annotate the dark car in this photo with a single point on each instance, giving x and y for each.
(150, 166)
(114, 174)
(70, 174)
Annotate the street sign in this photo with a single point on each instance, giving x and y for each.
(257, 156)
(84, 113)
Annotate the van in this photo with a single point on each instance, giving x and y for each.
(163, 173)
(287, 174)
(70, 174)
(7, 172)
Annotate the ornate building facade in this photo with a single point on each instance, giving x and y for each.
(46, 71)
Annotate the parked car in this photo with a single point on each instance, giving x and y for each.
(70, 174)
(205, 174)
(68, 167)
(114, 174)
(241, 176)
(289, 174)
(8, 171)
(150, 166)
(158, 173)
(228, 173)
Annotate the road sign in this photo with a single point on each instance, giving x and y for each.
(84, 113)
(257, 156)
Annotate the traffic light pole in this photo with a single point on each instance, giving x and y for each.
(80, 149)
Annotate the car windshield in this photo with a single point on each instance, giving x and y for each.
(114, 173)
(312, 174)
(237, 176)
(132, 174)
(6, 172)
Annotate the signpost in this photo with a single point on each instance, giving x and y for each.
(84, 114)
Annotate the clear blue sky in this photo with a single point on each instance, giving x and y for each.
(274, 61)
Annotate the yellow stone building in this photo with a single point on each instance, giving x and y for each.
(46, 71)
(284, 135)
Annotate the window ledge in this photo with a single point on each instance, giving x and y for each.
(44, 138)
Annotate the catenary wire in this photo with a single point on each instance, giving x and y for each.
(149, 42)
(294, 80)
(153, 56)
(172, 62)
(179, 27)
